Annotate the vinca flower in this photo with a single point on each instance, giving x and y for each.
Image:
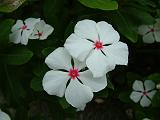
(22, 30)
(41, 31)
(143, 92)
(150, 33)
(98, 44)
(70, 78)
(4, 116)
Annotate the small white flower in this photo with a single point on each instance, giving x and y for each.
(146, 119)
(143, 92)
(22, 30)
(150, 33)
(98, 44)
(76, 83)
(41, 31)
(4, 116)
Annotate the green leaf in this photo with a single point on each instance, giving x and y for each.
(156, 100)
(100, 4)
(18, 56)
(155, 77)
(36, 84)
(64, 103)
(10, 5)
(124, 97)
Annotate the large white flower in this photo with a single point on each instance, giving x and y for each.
(41, 31)
(150, 33)
(143, 92)
(70, 79)
(22, 30)
(98, 44)
(4, 116)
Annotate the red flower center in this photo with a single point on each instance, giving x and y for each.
(40, 34)
(152, 30)
(145, 93)
(98, 45)
(73, 73)
(24, 27)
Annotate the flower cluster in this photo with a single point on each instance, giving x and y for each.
(143, 92)
(150, 33)
(31, 28)
(80, 68)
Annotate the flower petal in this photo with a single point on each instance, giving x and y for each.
(143, 29)
(107, 33)
(151, 94)
(157, 36)
(25, 36)
(138, 86)
(99, 64)
(96, 84)
(149, 85)
(118, 52)
(78, 64)
(4, 116)
(149, 38)
(48, 29)
(79, 48)
(59, 59)
(145, 102)
(86, 29)
(15, 37)
(30, 22)
(78, 94)
(17, 26)
(135, 96)
(54, 82)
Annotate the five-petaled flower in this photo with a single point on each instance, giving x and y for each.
(143, 92)
(22, 30)
(150, 33)
(98, 44)
(70, 79)
(4, 116)
(41, 31)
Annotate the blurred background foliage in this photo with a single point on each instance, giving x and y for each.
(22, 67)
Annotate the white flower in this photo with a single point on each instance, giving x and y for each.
(98, 44)
(150, 33)
(146, 119)
(41, 31)
(143, 92)
(77, 84)
(4, 116)
(22, 30)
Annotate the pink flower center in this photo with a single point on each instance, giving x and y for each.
(24, 27)
(98, 45)
(152, 30)
(73, 73)
(40, 34)
(145, 93)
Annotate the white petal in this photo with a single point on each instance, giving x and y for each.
(136, 96)
(99, 64)
(81, 108)
(34, 34)
(30, 22)
(151, 94)
(48, 29)
(145, 102)
(25, 36)
(138, 86)
(146, 119)
(149, 38)
(96, 84)
(149, 85)
(17, 26)
(59, 59)
(78, 94)
(4, 116)
(78, 64)
(107, 33)
(15, 37)
(40, 25)
(118, 52)
(143, 29)
(157, 36)
(54, 82)
(79, 48)
(86, 29)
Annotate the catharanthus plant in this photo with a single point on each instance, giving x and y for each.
(41, 31)
(71, 78)
(143, 92)
(4, 116)
(98, 44)
(150, 33)
(22, 30)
